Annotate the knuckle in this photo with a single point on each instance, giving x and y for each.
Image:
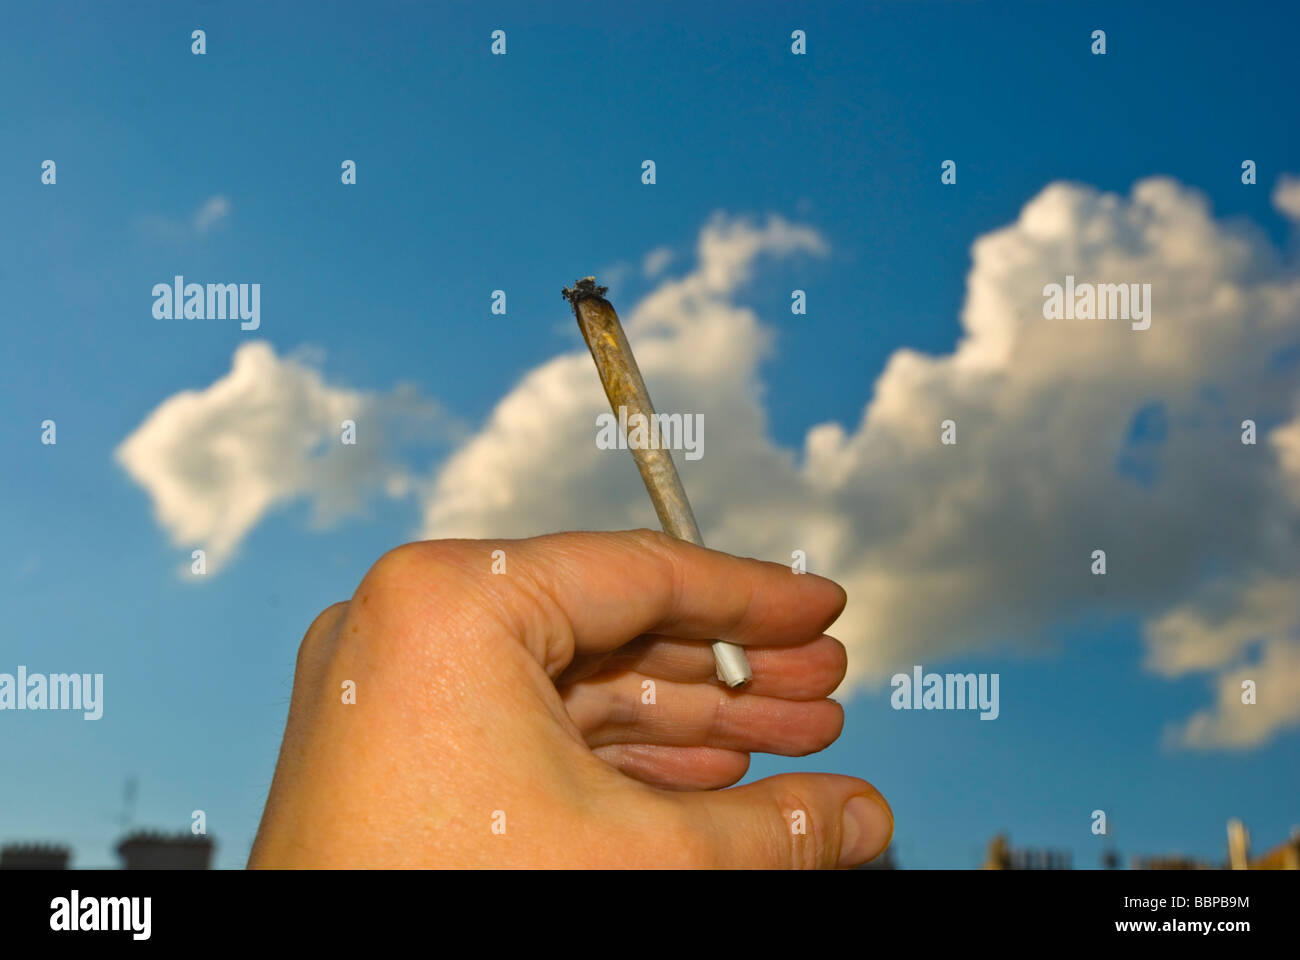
(399, 567)
(392, 604)
(414, 589)
(412, 570)
(656, 543)
(808, 837)
(667, 552)
(326, 619)
(317, 641)
(653, 538)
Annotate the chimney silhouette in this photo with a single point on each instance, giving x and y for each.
(148, 850)
(33, 856)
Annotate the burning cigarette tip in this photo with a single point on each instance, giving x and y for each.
(584, 288)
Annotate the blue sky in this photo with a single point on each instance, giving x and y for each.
(522, 172)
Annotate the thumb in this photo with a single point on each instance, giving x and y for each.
(795, 820)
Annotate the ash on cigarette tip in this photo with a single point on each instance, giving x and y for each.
(584, 288)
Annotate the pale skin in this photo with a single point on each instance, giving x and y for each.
(500, 719)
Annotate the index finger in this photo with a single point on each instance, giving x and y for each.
(613, 587)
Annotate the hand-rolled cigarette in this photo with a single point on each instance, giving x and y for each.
(625, 388)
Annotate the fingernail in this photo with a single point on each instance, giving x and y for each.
(868, 826)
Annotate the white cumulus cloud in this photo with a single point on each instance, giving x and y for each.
(216, 460)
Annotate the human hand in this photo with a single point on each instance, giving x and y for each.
(502, 719)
